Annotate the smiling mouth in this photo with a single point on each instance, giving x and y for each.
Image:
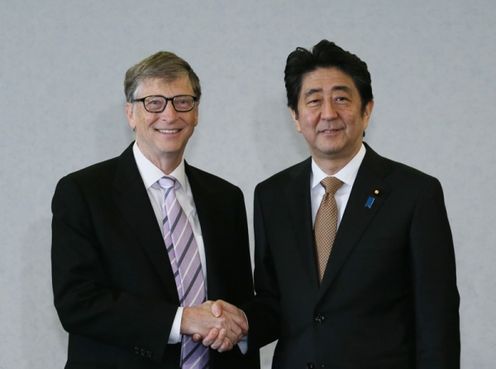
(330, 130)
(168, 131)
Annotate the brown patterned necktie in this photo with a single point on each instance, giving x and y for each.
(326, 223)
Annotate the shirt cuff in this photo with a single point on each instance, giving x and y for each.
(175, 333)
(243, 345)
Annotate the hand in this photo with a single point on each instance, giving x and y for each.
(207, 320)
(236, 327)
(199, 320)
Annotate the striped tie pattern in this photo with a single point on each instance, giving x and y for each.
(186, 266)
(326, 223)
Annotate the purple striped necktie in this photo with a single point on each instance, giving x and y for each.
(186, 266)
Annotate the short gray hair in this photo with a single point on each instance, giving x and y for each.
(162, 65)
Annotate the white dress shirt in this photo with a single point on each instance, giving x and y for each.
(150, 175)
(347, 175)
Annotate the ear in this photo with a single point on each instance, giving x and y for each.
(129, 110)
(197, 113)
(296, 121)
(367, 113)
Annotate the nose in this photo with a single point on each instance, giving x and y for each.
(328, 110)
(169, 113)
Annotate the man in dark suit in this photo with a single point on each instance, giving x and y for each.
(141, 241)
(385, 295)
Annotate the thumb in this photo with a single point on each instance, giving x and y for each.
(216, 308)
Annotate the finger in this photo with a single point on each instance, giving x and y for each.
(211, 337)
(219, 340)
(228, 307)
(196, 337)
(216, 308)
(221, 307)
(234, 333)
(226, 345)
(238, 317)
(198, 320)
(233, 337)
(235, 329)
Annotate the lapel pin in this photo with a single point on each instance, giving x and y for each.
(371, 198)
(369, 202)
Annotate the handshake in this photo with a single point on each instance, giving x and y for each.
(217, 324)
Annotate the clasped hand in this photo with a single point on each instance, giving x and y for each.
(217, 324)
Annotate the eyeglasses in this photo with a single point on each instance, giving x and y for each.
(158, 103)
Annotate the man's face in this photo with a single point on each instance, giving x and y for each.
(330, 115)
(162, 136)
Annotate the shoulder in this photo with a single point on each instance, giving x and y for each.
(409, 175)
(399, 175)
(75, 190)
(104, 171)
(96, 173)
(200, 179)
(297, 172)
(98, 180)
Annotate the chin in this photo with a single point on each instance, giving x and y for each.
(330, 150)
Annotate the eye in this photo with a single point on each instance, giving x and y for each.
(153, 103)
(182, 100)
(341, 99)
(314, 102)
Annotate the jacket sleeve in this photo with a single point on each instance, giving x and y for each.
(88, 301)
(434, 283)
(264, 311)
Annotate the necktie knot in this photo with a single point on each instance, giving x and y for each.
(331, 184)
(167, 182)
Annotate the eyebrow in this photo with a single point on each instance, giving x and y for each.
(335, 88)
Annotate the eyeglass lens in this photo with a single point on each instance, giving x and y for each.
(157, 104)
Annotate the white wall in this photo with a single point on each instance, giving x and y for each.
(61, 108)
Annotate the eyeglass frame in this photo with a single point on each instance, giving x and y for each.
(167, 99)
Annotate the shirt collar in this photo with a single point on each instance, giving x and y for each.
(151, 173)
(347, 174)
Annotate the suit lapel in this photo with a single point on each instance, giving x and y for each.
(133, 202)
(300, 211)
(367, 196)
(205, 204)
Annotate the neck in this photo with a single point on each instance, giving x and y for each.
(166, 162)
(330, 166)
(333, 163)
(166, 166)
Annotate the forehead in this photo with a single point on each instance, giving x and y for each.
(167, 87)
(327, 80)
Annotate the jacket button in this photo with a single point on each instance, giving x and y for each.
(310, 366)
(319, 318)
